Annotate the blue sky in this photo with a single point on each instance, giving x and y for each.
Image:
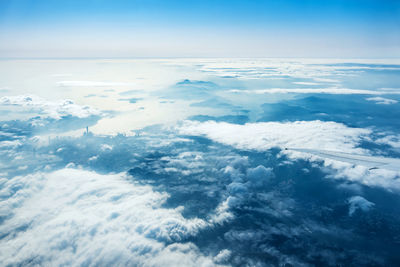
(155, 28)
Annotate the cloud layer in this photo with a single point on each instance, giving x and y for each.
(316, 135)
(50, 109)
(76, 217)
(218, 188)
(333, 90)
(265, 135)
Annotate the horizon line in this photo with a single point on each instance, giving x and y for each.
(190, 57)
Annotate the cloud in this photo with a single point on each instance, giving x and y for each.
(387, 179)
(105, 147)
(391, 140)
(259, 174)
(306, 83)
(193, 83)
(130, 92)
(348, 109)
(189, 90)
(4, 89)
(316, 69)
(77, 217)
(90, 95)
(266, 135)
(132, 100)
(13, 144)
(382, 100)
(211, 192)
(223, 256)
(91, 84)
(50, 109)
(300, 134)
(332, 90)
(231, 207)
(359, 203)
(237, 119)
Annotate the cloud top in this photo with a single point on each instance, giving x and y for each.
(265, 135)
(50, 109)
(76, 217)
(382, 100)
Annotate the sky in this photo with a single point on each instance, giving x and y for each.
(156, 28)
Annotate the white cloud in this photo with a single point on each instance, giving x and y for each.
(93, 158)
(51, 109)
(105, 147)
(76, 217)
(223, 256)
(90, 84)
(306, 83)
(331, 90)
(265, 135)
(391, 140)
(387, 179)
(320, 70)
(300, 134)
(10, 144)
(326, 80)
(223, 212)
(259, 174)
(382, 100)
(358, 202)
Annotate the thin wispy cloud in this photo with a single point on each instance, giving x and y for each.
(91, 84)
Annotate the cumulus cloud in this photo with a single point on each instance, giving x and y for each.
(382, 101)
(50, 109)
(77, 217)
(387, 179)
(259, 175)
(223, 256)
(359, 203)
(220, 194)
(392, 140)
(317, 135)
(266, 135)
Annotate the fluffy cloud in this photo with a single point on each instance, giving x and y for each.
(392, 140)
(316, 135)
(358, 202)
(223, 256)
(187, 200)
(378, 177)
(50, 109)
(266, 135)
(76, 217)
